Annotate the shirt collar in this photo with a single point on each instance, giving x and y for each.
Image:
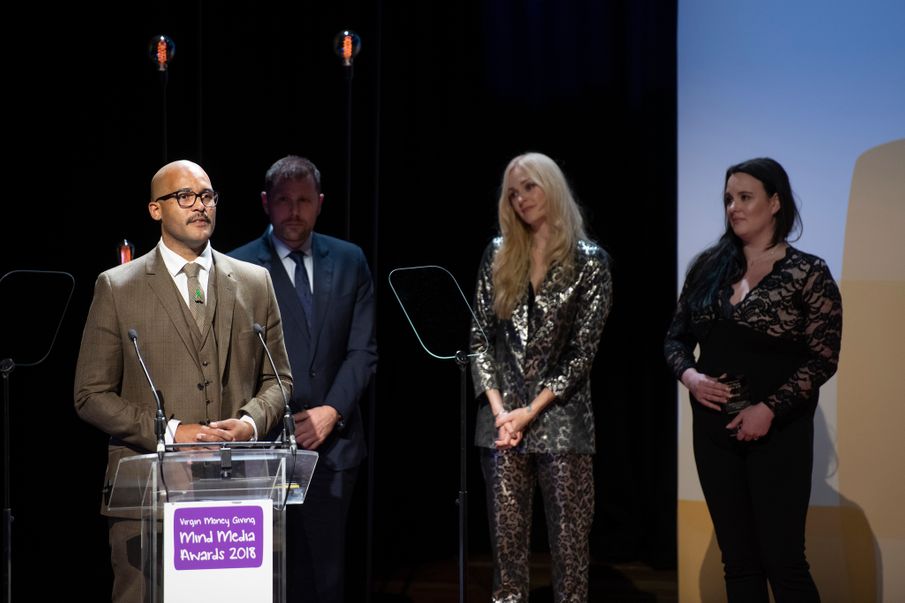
(283, 250)
(174, 262)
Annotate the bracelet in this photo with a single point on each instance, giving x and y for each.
(529, 408)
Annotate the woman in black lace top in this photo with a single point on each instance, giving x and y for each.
(768, 320)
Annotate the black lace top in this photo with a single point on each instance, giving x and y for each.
(784, 335)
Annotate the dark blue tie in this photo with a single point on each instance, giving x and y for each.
(303, 287)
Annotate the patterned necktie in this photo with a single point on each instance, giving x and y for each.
(196, 294)
(303, 286)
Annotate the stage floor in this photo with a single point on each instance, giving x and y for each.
(437, 582)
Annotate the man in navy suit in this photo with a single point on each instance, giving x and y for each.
(326, 297)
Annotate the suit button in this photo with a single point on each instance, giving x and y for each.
(204, 363)
(312, 374)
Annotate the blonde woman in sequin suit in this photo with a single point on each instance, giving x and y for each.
(543, 294)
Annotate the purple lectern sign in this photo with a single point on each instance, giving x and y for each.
(218, 537)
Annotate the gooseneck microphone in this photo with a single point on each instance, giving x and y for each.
(288, 423)
(159, 420)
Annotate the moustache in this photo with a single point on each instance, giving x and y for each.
(199, 218)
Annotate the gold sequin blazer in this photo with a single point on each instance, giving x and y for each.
(549, 341)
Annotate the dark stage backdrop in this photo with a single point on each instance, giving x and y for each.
(444, 95)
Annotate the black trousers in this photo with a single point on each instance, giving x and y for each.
(758, 494)
(316, 538)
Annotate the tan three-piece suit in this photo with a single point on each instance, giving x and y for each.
(111, 391)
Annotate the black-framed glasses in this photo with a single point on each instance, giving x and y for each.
(186, 197)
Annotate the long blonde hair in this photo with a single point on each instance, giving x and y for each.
(512, 264)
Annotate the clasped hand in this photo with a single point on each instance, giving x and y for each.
(510, 426)
(751, 423)
(227, 430)
(312, 426)
(706, 390)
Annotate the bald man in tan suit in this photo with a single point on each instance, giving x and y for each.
(197, 337)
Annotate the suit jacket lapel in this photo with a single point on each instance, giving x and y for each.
(265, 251)
(323, 286)
(290, 305)
(226, 301)
(161, 283)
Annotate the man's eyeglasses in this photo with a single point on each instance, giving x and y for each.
(186, 197)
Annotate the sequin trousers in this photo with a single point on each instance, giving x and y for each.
(567, 488)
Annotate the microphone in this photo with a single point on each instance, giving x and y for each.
(159, 420)
(288, 423)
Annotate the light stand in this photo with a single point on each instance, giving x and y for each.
(161, 50)
(347, 45)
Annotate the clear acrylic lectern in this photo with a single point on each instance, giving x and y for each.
(213, 520)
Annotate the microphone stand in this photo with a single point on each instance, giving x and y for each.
(462, 363)
(160, 421)
(425, 293)
(288, 423)
(6, 366)
(38, 283)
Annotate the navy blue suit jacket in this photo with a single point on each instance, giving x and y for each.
(334, 365)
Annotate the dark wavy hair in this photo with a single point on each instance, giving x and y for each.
(724, 262)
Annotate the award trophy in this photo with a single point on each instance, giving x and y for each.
(740, 396)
